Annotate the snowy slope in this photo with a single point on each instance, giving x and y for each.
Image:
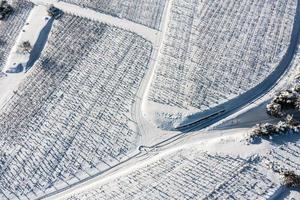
(214, 51)
(70, 117)
(224, 167)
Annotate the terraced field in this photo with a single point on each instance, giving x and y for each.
(71, 117)
(215, 51)
(285, 157)
(146, 12)
(188, 174)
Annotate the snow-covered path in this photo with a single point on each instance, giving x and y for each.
(147, 33)
(31, 33)
(151, 134)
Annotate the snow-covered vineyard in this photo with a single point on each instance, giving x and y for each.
(107, 86)
(285, 157)
(189, 174)
(146, 12)
(71, 116)
(12, 26)
(216, 50)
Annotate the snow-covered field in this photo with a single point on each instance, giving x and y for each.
(85, 119)
(70, 118)
(146, 12)
(37, 20)
(214, 51)
(197, 170)
(285, 157)
(188, 174)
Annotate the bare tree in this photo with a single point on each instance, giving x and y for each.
(26, 47)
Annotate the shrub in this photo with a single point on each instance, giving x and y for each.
(291, 179)
(275, 109)
(267, 129)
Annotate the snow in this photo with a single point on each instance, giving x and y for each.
(147, 33)
(10, 28)
(72, 112)
(195, 75)
(34, 24)
(167, 167)
(146, 12)
(30, 32)
(137, 159)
